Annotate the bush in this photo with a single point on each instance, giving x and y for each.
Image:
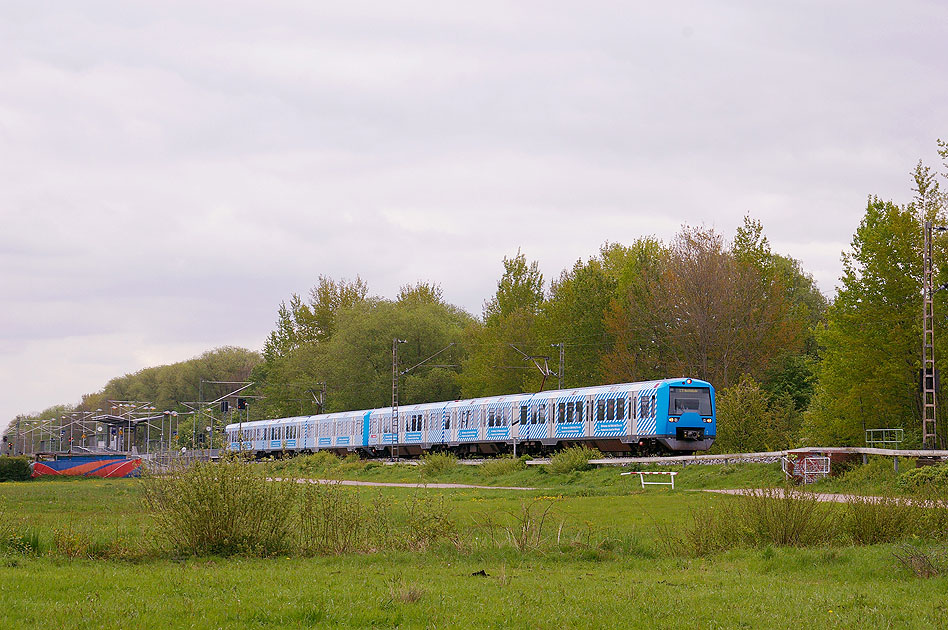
(759, 518)
(784, 516)
(222, 508)
(502, 466)
(14, 468)
(706, 532)
(318, 462)
(25, 542)
(331, 519)
(435, 464)
(574, 458)
(924, 479)
(873, 520)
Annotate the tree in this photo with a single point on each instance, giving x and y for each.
(495, 364)
(519, 288)
(301, 322)
(870, 346)
(358, 360)
(748, 421)
(420, 293)
(702, 310)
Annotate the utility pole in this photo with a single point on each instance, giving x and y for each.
(395, 377)
(561, 373)
(929, 379)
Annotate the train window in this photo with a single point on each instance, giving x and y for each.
(524, 414)
(643, 407)
(579, 411)
(600, 411)
(561, 412)
(684, 399)
(620, 409)
(611, 409)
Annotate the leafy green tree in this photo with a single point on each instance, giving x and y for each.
(520, 288)
(300, 322)
(166, 386)
(495, 363)
(358, 359)
(420, 293)
(704, 310)
(870, 346)
(749, 421)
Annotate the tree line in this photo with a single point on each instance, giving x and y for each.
(790, 366)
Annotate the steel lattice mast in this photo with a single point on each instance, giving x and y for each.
(929, 438)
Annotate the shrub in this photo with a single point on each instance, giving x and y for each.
(784, 516)
(14, 468)
(758, 518)
(18, 541)
(705, 532)
(572, 459)
(318, 462)
(435, 464)
(352, 462)
(527, 531)
(922, 563)
(873, 520)
(924, 479)
(502, 466)
(429, 522)
(331, 519)
(222, 508)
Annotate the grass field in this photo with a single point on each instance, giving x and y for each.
(602, 564)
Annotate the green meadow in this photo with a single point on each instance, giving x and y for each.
(599, 552)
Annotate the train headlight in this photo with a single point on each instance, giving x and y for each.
(708, 420)
(673, 419)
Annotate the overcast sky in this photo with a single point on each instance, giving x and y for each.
(171, 170)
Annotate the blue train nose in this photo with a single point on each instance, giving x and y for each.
(691, 419)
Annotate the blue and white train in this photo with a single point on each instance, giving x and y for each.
(671, 415)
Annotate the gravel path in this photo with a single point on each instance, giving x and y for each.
(820, 496)
(387, 484)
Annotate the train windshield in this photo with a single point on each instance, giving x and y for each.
(684, 399)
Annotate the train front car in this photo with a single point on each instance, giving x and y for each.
(686, 409)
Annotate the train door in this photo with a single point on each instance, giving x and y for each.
(366, 427)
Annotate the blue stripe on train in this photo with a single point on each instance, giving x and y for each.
(571, 429)
(613, 428)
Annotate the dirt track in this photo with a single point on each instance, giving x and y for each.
(387, 484)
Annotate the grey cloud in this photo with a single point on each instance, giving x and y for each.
(172, 170)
